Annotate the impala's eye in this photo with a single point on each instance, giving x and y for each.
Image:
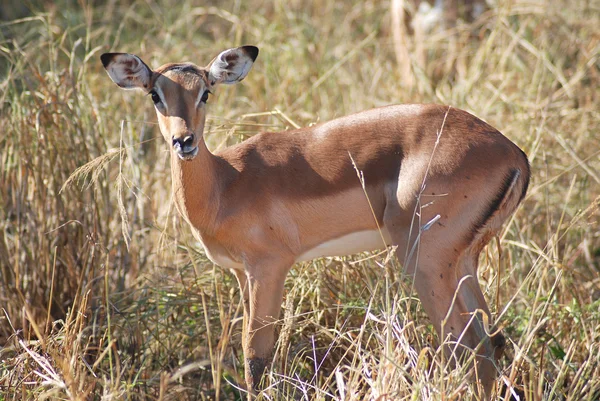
(155, 97)
(204, 97)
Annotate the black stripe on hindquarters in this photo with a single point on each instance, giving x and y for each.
(495, 204)
(527, 176)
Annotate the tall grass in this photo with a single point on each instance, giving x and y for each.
(105, 295)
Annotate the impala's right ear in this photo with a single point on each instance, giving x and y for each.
(232, 65)
(127, 70)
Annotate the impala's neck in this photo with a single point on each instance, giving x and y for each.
(196, 187)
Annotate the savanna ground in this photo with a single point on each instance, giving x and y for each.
(104, 295)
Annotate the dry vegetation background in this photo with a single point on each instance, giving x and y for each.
(93, 306)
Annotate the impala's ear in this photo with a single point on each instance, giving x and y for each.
(126, 70)
(232, 65)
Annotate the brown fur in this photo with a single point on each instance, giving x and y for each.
(260, 205)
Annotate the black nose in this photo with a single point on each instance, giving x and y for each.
(187, 141)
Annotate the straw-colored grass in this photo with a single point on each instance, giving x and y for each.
(104, 295)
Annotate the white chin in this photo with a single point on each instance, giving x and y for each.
(188, 155)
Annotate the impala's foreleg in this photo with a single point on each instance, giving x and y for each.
(262, 288)
(243, 283)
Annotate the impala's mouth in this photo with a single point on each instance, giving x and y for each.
(187, 153)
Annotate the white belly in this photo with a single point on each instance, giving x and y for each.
(218, 255)
(223, 260)
(349, 244)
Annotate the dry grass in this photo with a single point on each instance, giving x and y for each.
(87, 314)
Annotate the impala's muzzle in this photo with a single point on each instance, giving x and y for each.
(185, 147)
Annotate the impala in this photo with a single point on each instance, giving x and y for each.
(429, 175)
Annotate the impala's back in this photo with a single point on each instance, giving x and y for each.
(316, 175)
(433, 181)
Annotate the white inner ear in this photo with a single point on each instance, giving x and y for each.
(129, 72)
(233, 71)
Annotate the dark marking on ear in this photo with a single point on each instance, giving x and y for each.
(106, 58)
(251, 51)
(128, 67)
(231, 57)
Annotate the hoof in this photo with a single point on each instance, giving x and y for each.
(255, 367)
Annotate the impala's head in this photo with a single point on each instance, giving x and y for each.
(180, 91)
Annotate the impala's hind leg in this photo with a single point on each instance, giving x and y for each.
(445, 278)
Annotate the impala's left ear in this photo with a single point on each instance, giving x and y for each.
(127, 70)
(232, 65)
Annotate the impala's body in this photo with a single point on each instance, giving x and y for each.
(279, 198)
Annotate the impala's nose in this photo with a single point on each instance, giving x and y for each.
(184, 143)
(184, 147)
